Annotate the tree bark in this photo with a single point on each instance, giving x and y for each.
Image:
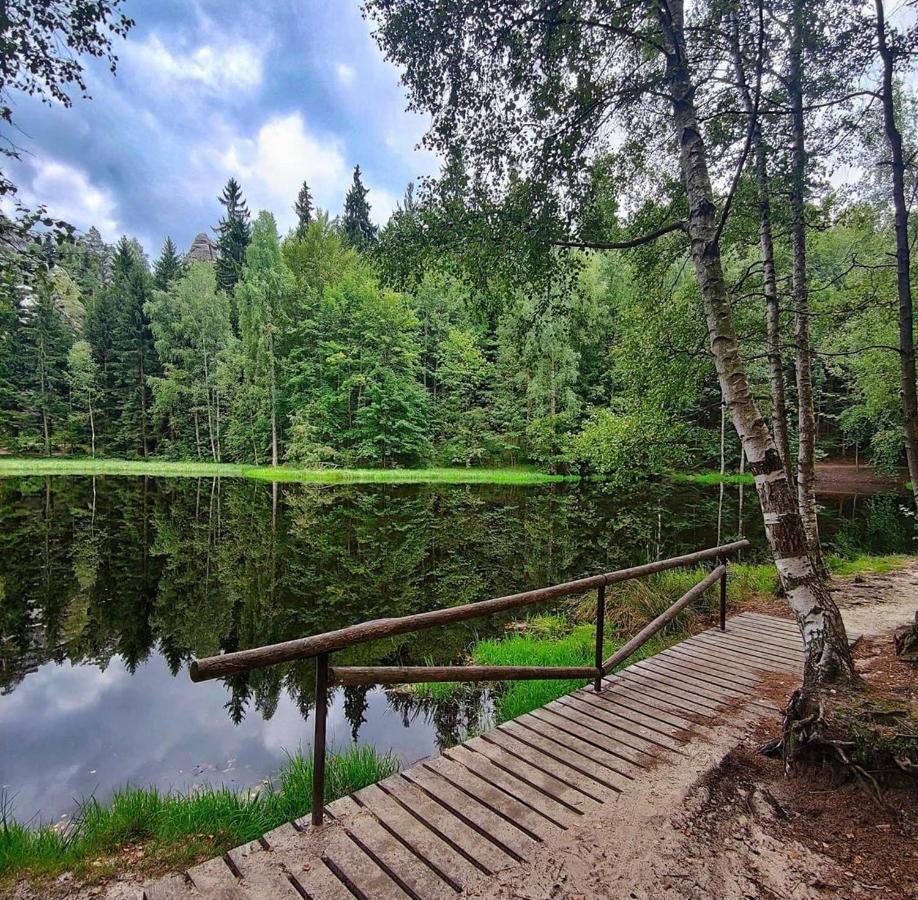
(767, 247)
(92, 427)
(827, 657)
(806, 417)
(907, 390)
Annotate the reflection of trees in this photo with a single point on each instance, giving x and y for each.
(454, 720)
(355, 705)
(91, 568)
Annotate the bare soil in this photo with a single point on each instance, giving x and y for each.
(842, 476)
(876, 605)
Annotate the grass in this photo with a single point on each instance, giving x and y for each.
(711, 478)
(155, 829)
(18, 466)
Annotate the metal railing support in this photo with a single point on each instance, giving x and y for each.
(318, 744)
(600, 627)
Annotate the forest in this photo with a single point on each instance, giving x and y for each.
(461, 334)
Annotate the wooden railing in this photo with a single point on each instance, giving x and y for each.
(321, 645)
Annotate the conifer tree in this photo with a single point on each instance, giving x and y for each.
(358, 229)
(234, 233)
(168, 267)
(304, 210)
(133, 354)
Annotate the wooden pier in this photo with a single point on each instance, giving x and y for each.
(444, 824)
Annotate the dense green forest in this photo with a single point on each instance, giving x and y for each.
(335, 344)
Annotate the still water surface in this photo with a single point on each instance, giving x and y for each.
(108, 586)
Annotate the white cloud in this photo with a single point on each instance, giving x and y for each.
(345, 74)
(382, 204)
(230, 66)
(272, 166)
(70, 195)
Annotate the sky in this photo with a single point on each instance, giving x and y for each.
(271, 93)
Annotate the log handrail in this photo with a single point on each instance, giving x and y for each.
(321, 645)
(303, 648)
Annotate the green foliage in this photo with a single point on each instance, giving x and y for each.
(234, 233)
(178, 827)
(168, 267)
(359, 231)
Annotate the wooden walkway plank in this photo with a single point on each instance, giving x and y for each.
(696, 682)
(716, 677)
(552, 784)
(173, 887)
(418, 876)
(476, 845)
(742, 633)
(653, 731)
(424, 842)
(549, 816)
(649, 742)
(627, 696)
(728, 670)
(535, 824)
(708, 643)
(475, 811)
(683, 703)
(562, 746)
(214, 878)
(262, 877)
(563, 767)
(596, 731)
(358, 870)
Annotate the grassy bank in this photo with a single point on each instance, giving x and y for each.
(711, 478)
(17, 466)
(144, 830)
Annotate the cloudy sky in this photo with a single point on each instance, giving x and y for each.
(272, 93)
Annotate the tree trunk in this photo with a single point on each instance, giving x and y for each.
(92, 427)
(273, 404)
(827, 657)
(907, 391)
(806, 416)
(767, 248)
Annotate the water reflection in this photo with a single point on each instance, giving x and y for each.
(109, 585)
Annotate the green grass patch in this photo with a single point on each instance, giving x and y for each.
(865, 564)
(14, 466)
(711, 478)
(175, 828)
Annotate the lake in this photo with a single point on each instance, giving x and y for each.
(110, 585)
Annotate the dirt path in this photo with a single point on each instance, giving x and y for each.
(876, 605)
(844, 477)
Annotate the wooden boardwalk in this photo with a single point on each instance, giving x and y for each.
(487, 804)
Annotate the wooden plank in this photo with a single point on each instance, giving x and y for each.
(474, 812)
(545, 806)
(627, 696)
(477, 846)
(697, 682)
(537, 827)
(350, 675)
(728, 677)
(359, 872)
(543, 780)
(663, 734)
(595, 731)
(746, 658)
(563, 747)
(173, 887)
(792, 645)
(682, 703)
(262, 877)
(551, 763)
(416, 873)
(649, 743)
(214, 878)
(741, 643)
(770, 624)
(318, 882)
(423, 841)
(738, 671)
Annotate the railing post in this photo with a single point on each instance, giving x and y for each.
(723, 595)
(600, 627)
(318, 744)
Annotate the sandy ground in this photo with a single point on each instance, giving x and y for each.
(878, 604)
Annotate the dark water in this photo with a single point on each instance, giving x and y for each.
(108, 587)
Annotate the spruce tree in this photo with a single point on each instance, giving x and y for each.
(134, 357)
(168, 267)
(358, 229)
(303, 209)
(234, 233)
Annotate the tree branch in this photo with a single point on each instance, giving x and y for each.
(648, 238)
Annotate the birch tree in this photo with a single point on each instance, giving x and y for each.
(530, 92)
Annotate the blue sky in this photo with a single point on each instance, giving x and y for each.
(272, 93)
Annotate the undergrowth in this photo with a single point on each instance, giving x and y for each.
(164, 828)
